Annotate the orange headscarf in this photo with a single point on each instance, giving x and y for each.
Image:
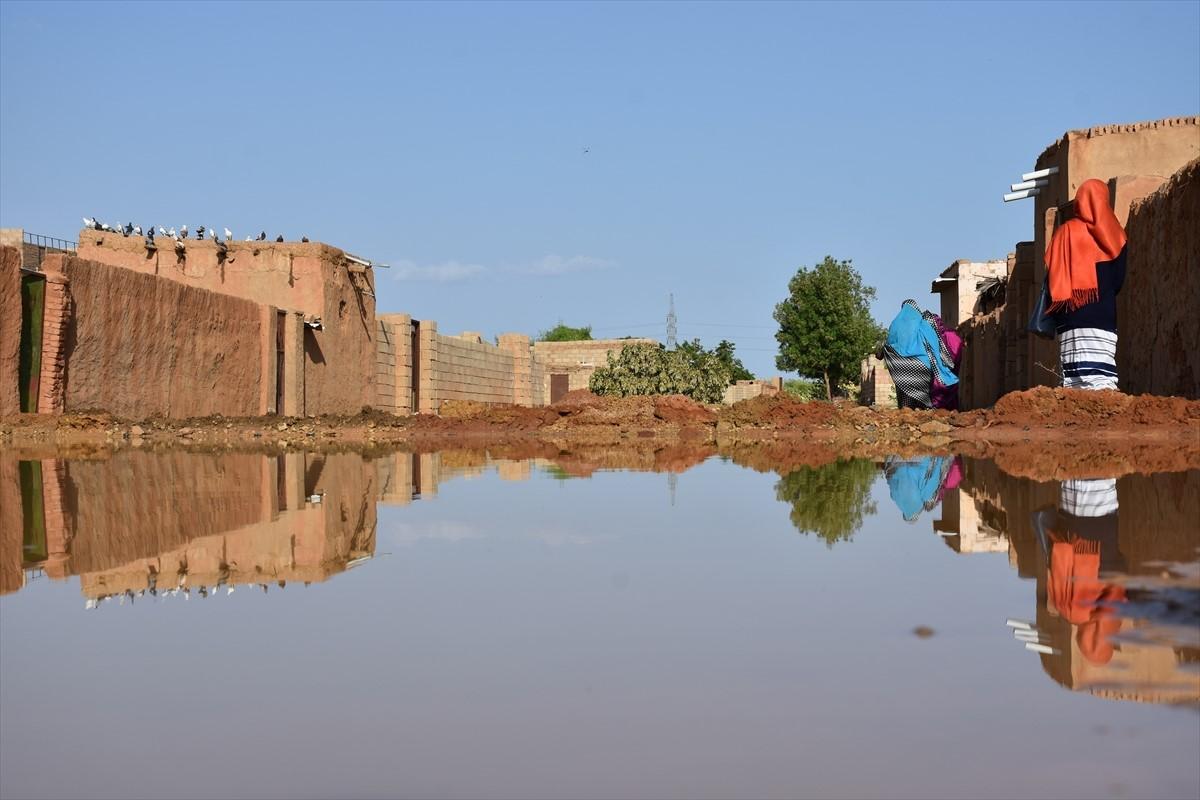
(1092, 235)
(1079, 595)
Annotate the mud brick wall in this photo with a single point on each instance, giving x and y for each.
(137, 346)
(999, 353)
(1158, 310)
(10, 330)
(744, 390)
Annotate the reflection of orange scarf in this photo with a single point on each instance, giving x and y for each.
(1081, 598)
(1093, 235)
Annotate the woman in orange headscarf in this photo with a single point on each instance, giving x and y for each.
(1085, 265)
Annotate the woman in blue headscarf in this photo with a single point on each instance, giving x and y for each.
(914, 353)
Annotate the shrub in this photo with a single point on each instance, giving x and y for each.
(641, 369)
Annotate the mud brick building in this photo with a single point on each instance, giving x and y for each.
(245, 329)
(1150, 168)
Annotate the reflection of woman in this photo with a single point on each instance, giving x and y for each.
(915, 355)
(918, 485)
(1085, 265)
(1082, 542)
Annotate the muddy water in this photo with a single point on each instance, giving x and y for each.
(442, 624)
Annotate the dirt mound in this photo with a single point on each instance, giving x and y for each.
(578, 398)
(1046, 407)
(683, 411)
(777, 411)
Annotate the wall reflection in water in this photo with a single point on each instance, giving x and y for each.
(152, 523)
(1114, 565)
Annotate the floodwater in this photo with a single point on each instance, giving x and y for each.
(445, 625)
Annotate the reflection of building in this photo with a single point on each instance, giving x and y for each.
(144, 521)
(964, 529)
(1116, 657)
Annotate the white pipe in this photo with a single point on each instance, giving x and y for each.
(1021, 195)
(357, 260)
(1017, 623)
(1040, 173)
(1016, 187)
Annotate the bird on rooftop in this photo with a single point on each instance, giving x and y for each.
(183, 231)
(128, 229)
(212, 234)
(137, 230)
(161, 231)
(228, 235)
(90, 222)
(200, 232)
(262, 236)
(248, 239)
(150, 233)
(279, 238)
(173, 234)
(304, 238)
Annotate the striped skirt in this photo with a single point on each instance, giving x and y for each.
(1089, 358)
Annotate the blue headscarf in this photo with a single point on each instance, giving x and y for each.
(911, 336)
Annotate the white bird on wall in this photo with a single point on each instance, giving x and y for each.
(212, 234)
(229, 235)
(90, 222)
(163, 232)
(183, 231)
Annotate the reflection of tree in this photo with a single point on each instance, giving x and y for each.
(830, 501)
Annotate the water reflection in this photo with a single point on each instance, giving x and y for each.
(832, 500)
(917, 485)
(1114, 564)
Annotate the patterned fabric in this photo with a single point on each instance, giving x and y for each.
(1088, 498)
(912, 377)
(1089, 358)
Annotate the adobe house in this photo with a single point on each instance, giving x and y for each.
(958, 286)
(1149, 167)
(238, 328)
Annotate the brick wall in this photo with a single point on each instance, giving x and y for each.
(876, 387)
(744, 390)
(1158, 305)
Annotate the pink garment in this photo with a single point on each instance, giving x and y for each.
(947, 396)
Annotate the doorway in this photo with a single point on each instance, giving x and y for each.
(560, 384)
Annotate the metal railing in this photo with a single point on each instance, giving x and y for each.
(44, 245)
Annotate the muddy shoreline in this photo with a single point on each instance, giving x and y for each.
(1043, 434)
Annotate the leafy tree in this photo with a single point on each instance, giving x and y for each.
(831, 501)
(825, 324)
(737, 370)
(565, 333)
(638, 369)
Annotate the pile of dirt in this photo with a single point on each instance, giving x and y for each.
(779, 411)
(1051, 408)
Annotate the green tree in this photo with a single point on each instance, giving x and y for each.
(565, 333)
(639, 369)
(737, 370)
(825, 324)
(831, 501)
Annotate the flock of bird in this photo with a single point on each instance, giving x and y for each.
(203, 591)
(179, 236)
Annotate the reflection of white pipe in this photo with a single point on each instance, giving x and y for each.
(1021, 195)
(1039, 173)
(1040, 648)
(1016, 187)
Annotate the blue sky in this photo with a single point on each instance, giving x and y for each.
(519, 164)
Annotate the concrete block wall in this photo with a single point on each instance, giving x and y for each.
(876, 387)
(468, 369)
(744, 390)
(577, 360)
